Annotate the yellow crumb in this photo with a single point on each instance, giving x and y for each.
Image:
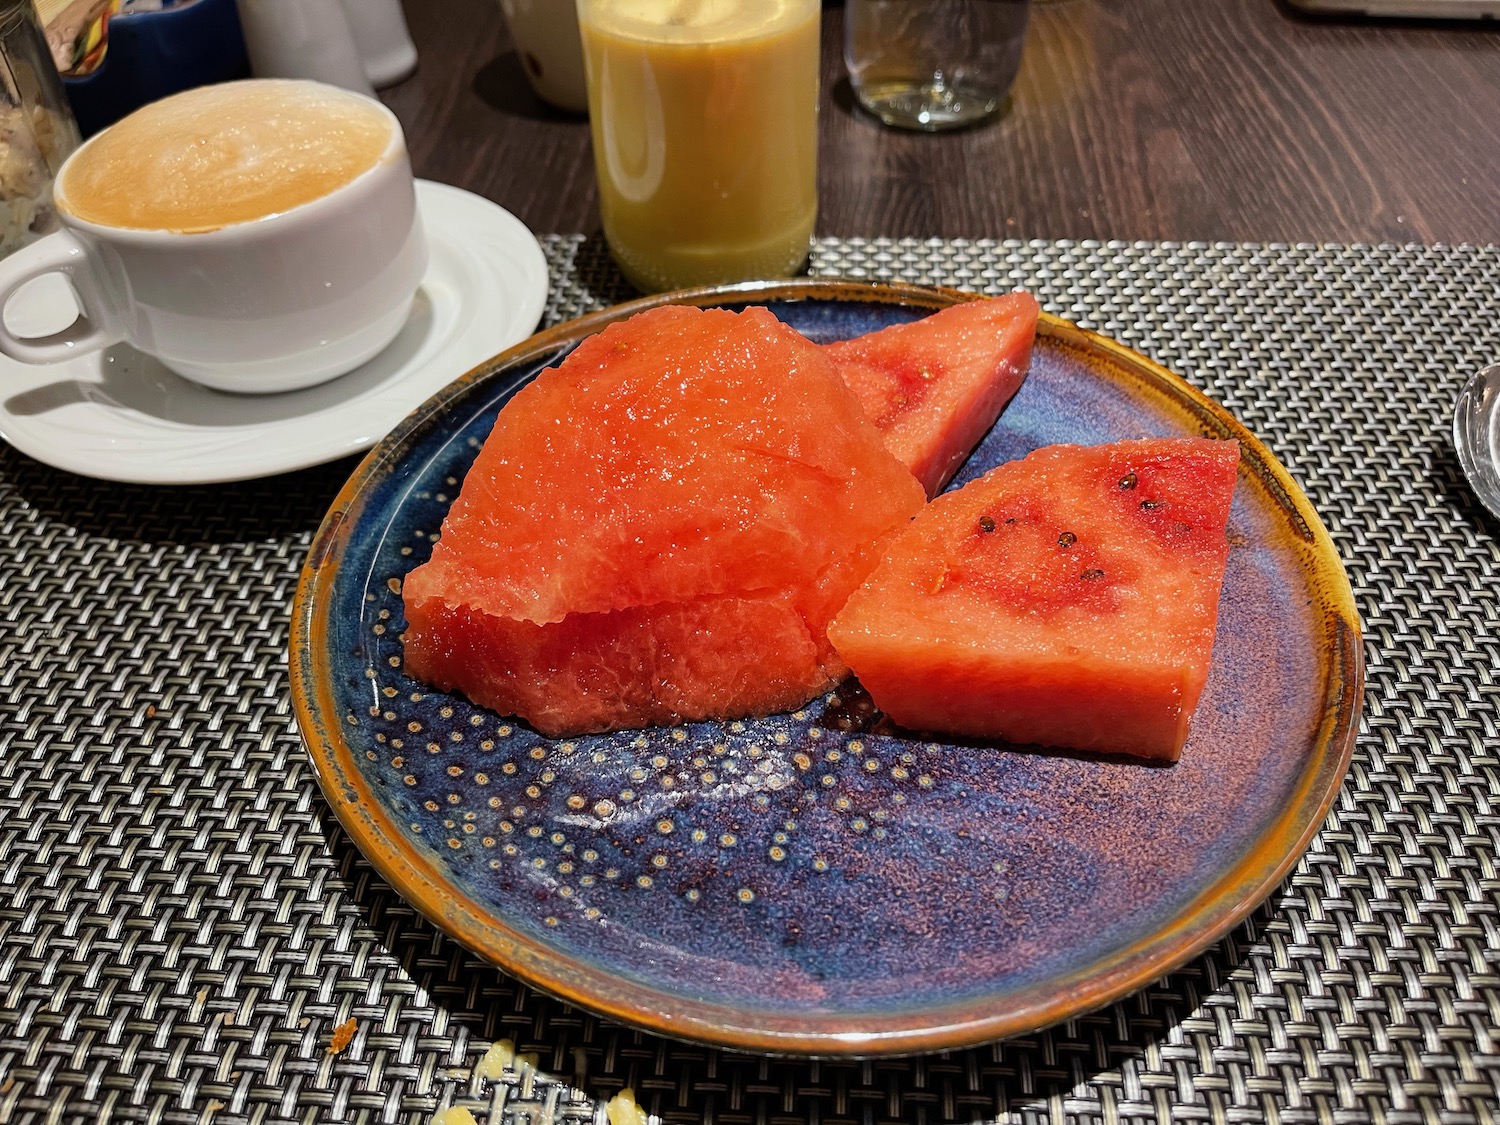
(496, 1060)
(623, 1110)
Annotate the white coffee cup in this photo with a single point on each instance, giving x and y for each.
(274, 302)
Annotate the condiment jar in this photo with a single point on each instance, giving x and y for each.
(37, 130)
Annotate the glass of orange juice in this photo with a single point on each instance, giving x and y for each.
(705, 125)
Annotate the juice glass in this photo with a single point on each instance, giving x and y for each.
(705, 125)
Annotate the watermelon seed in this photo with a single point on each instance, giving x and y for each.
(1066, 540)
(1127, 482)
(1151, 505)
(986, 525)
(1092, 575)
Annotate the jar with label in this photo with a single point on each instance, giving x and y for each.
(37, 130)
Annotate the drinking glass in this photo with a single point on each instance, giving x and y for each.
(704, 116)
(933, 64)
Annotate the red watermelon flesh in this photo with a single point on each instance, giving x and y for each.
(1067, 599)
(659, 530)
(934, 387)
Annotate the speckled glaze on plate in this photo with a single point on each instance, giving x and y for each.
(819, 882)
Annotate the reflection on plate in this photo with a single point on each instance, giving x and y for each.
(120, 415)
(817, 882)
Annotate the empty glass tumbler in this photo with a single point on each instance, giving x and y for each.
(933, 64)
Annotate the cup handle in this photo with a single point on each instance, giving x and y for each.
(97, 326)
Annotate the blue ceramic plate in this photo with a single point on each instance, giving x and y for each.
(819, 882)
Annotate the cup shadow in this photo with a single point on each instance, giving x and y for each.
(286, 506)
(501, 84)
(1448, 475)
(132, 381)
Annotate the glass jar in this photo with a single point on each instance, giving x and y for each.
(37, 130)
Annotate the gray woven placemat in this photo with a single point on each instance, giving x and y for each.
(183, 926)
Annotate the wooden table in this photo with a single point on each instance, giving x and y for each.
(1132, 119)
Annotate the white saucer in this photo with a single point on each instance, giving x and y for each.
(119, 415)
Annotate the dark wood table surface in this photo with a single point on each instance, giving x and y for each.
(1132, 119)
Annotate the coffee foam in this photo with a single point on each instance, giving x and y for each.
(220, 155)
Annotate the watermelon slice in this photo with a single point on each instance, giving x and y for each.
(1067, 599)
(934, 387)
(659, 530)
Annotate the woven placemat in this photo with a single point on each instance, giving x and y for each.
(187, 936)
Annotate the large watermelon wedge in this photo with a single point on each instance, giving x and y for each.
(934, 387)
(659, 530)
(1067, 599)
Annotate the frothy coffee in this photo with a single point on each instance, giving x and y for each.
(220, 155)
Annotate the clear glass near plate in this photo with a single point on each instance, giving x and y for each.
(820, 882)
